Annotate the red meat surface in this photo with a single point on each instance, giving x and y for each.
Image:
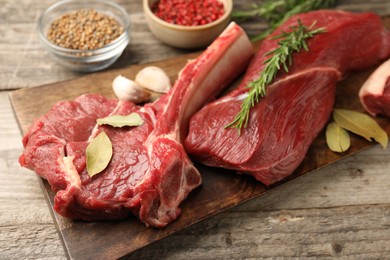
(297, 105)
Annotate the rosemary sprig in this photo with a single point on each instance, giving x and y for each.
(277, 12)
(281, 57)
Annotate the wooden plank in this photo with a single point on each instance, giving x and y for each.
(351, 232)
(101, 239)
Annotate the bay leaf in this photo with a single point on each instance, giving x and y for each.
(337, 138)
(360, 124)
(133, 119)
(99, 153)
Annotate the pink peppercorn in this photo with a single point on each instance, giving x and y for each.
(188, 12)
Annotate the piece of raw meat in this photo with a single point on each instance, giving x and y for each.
(150, 173)
(375, 92)
(297, 105)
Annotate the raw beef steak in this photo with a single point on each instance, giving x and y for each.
(375, 93)
(150, 173)
(283, 125)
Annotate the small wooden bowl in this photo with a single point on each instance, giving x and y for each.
(187, 37)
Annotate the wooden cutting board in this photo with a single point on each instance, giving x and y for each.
(220, 189)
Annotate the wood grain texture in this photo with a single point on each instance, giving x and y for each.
(337, 201)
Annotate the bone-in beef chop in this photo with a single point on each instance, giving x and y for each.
(150, 173)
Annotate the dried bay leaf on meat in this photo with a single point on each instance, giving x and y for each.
(360, 124)
(133, 119)
(337, 138)
(98, 153)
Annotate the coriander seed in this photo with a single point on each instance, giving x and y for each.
(84, 29)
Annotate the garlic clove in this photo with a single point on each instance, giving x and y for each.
(154, 79)
(126, 89)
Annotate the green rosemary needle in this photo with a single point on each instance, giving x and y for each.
(281, 57)
(277, 12)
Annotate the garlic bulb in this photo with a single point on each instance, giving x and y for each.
(149, 84)
(154, 79)
(126, 89)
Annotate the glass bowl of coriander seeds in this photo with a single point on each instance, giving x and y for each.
(85, 36)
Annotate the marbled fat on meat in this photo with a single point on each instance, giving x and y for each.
(298, 104)
(150, 173)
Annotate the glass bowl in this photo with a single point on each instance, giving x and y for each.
(85, 60)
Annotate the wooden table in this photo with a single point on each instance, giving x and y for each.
(341, 210)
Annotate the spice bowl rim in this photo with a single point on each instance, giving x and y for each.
(108, 53)
(228, 8)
